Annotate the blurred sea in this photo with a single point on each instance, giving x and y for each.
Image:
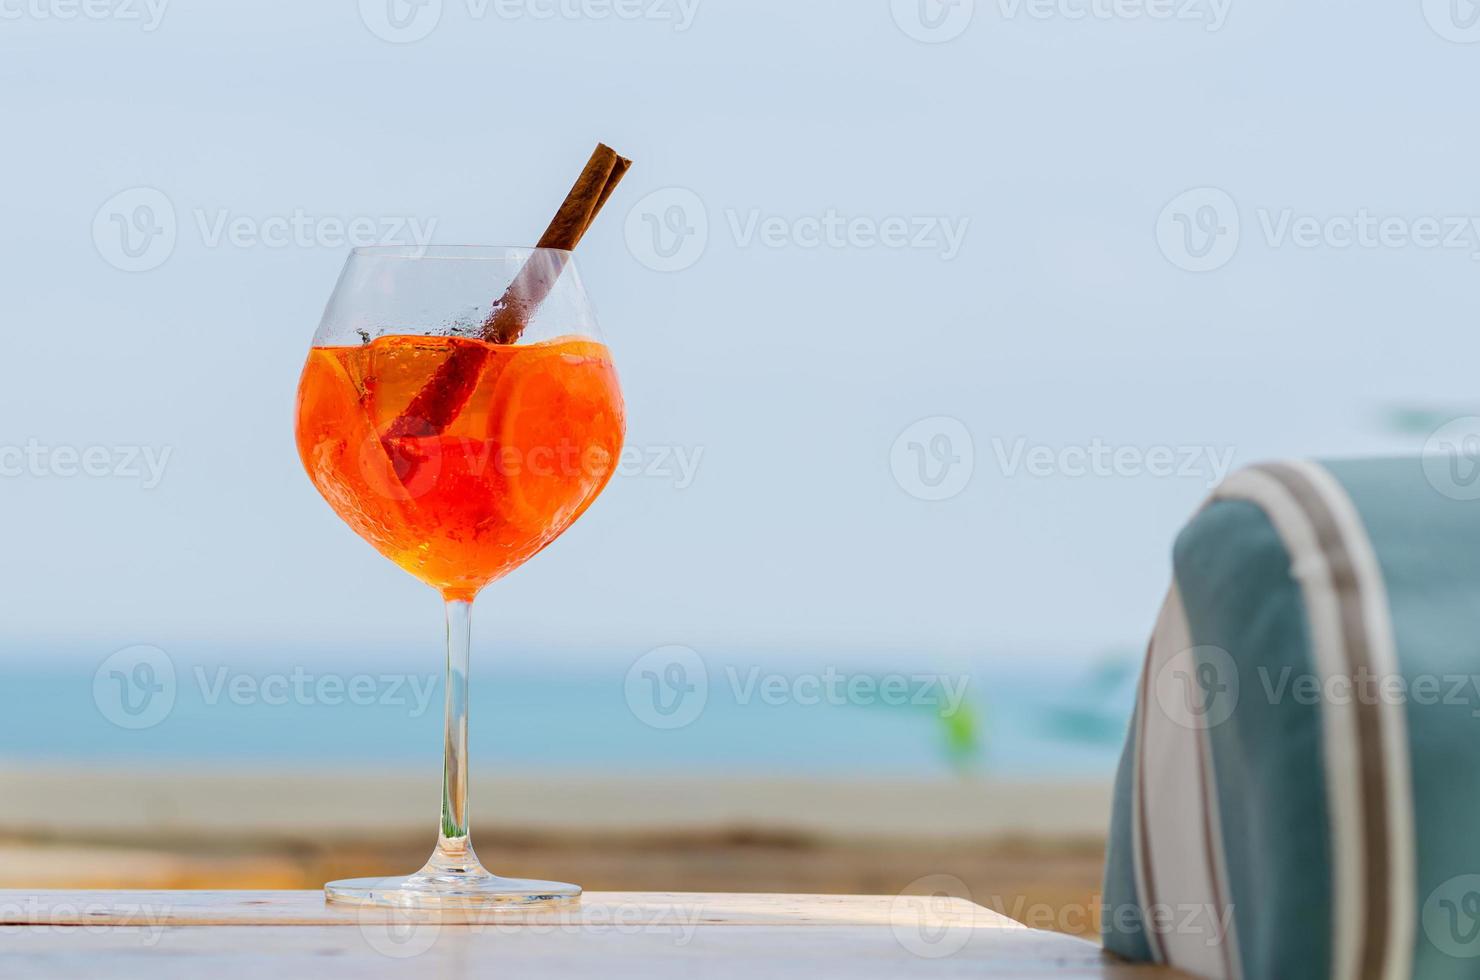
(539, 711)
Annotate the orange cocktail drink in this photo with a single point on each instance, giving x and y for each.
(533, 444)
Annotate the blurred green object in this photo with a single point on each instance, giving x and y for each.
(962, 742)
(1422, 420)
(961, 730)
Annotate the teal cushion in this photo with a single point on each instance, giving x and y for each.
(1300, 790)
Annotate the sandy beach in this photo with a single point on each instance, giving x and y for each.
(1030, 850)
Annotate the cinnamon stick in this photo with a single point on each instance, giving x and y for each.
(439, 401)
(600, 177)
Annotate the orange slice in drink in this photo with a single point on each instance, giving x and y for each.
(560, 420)
(335, 398)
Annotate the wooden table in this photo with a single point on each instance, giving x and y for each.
(218, 935)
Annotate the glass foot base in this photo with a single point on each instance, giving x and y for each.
(423, 891)
(452, 879)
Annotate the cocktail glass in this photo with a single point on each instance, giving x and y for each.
(458, 459)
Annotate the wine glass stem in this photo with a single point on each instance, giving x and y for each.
(453, 841)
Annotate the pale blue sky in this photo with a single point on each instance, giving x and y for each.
(1053, 143)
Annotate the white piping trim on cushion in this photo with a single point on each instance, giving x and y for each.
(1184, 875)
(1222, 891)
(1309, 566)
(1338, 723)
(1398, 785)
(1138, 816)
